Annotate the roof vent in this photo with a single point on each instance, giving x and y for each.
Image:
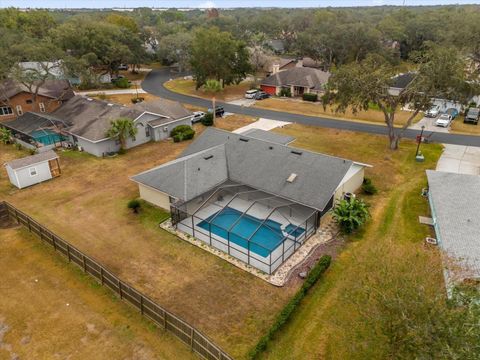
(270, 147)
(243, 139)
(208, 157)
(296, 152)
(292, 178)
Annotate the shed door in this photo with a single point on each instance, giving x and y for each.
(54, 167)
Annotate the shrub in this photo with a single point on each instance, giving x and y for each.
(351, 214)
(310, 97)
(136, 100)
(134, 205)
(122, 83)
(282, 318)
(5, 135)
(182, 132)
(368, 188)
(207, 119)
(285, 92)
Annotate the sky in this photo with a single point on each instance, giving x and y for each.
(218, 3)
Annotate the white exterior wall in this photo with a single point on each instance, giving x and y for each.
(100, 148)
(23, 178)
(11, 176)
(142, 124)
(159, 132)
(352, 181)
(154, 197)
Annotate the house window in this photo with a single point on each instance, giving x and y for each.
(19, 109)
(33, 171)
(42, 107)
(147, 131)
(29, 101)
(5, 110)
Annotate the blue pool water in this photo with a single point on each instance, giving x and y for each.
(265, 240)
(46, 137)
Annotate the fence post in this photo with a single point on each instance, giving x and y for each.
(16, 216)
(192, 333)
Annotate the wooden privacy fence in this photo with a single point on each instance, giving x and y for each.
(198, 342)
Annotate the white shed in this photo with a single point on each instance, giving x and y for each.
(33, 169)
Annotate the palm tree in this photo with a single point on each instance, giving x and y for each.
(122, 129)
(213, 86)
(351, 214)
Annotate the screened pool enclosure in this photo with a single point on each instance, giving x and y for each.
(258, 228)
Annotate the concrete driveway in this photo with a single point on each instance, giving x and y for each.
(429, 124)
(460, 159)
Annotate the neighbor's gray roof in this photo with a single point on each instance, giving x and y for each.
(32, 160)
(268, 136)
(299, 76)
(91, 118)
(51, 88)
(260, 164)
(455, 200)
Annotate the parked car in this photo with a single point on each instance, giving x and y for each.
(197, 116)
(219, 111)
(452, 112)
(472, 116)
(444, 120)
(433, 111)
(250, 94)
(260, 95)
(123, 67)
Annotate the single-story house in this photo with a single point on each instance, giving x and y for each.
(455, 207)
(257, 200)
(299, 80)
(33, 169)
(16, 99)
(84, 122)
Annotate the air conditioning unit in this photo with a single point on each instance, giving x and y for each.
(431, 241)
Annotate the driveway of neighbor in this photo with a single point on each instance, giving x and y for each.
(262, 124)
(460, 159)
(429, 124)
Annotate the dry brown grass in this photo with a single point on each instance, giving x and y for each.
(187, 87)
(49, 309)
(458, 126)
(316, 109)
(87, 206)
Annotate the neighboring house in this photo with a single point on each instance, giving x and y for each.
(54, 69)
(401, 81)
(33, 169)
(455, 208)
(281, 64)
(299, 80)
(310, 63)
(277, 45)
(16, 99)
(84, 122)
(257, 200)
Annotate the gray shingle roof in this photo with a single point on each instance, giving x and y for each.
(54, 89)
(172, 109)
(260, 164)
(299, 76)
(32, 160)
(455, 199)
(268, 136)
(31, 121)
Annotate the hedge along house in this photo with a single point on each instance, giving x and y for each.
(84, 122)
(33, 169)
(256, 200)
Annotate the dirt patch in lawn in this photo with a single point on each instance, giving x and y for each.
(49, 309)
(316, 109)
(87, 206)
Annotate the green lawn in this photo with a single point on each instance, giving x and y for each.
(389, 251)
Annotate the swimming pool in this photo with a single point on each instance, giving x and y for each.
(263, 241)
(46, 137)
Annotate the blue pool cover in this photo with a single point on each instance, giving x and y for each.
(265, 240)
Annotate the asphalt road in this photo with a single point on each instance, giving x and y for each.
(154, 81)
